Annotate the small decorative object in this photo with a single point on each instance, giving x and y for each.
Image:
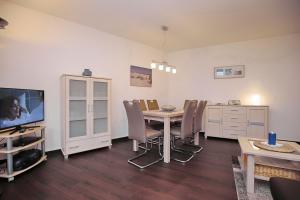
(234, 102)
(87, 72)
(168, 108)
(272, 138)
(278, 147)
(140, 77)
(237, 71)
(3, 23)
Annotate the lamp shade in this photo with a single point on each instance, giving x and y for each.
(161, 67)
(153, 65)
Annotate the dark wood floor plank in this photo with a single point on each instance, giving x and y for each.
(105, 174)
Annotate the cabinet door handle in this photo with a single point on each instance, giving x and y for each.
(233, 126)
(105, 141)
(74, 147)
(234, 118)
(234, 110)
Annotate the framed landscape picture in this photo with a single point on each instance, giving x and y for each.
(140, 76)
(237, 71)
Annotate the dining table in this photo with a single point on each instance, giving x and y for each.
(166, 117)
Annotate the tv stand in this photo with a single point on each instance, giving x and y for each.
(10, 150)
(22, 129)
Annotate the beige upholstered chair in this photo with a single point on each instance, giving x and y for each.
(152, 104)
(143, 105)
(178, 123)
(186, 101)
(197, 123)
(137, 131)
(185, 131)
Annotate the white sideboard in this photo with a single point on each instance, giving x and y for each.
(226, 121)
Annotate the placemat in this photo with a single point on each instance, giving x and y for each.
(285, 148)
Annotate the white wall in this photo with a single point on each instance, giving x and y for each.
(272, 71)
(36, 49)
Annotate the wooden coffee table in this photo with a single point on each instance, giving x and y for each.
(251, 155)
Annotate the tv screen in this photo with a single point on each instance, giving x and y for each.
(20, 106)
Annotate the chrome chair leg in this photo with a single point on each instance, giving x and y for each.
(179, 150)
(130, 161)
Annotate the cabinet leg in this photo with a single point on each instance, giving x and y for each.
(66, 157)
(11, 179)
(109, 146)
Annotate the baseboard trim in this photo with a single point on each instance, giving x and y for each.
(121, 139)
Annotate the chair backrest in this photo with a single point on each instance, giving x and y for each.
(199, 116)
(186, 101)
(143, 105)
(187, 120)
(136, 123)
(152, 104)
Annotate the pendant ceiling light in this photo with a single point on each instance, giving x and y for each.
(163, 65)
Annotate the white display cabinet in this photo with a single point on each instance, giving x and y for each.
(85, 113)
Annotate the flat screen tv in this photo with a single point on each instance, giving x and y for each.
(20, 106)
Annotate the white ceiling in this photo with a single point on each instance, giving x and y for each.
(192, 23)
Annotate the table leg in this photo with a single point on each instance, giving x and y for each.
(167, 140)
(196, 138)
(250, 174)
(135, 145)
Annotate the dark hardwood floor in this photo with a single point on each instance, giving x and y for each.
(105, 174)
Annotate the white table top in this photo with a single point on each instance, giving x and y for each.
(248, 148)
(163, 114)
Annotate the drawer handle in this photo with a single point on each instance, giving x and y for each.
(214, 121)
(234, 134)
(234, 118)
(105, 141)
(74, 147)
(257, 123)
(233, 126)
(234, 110)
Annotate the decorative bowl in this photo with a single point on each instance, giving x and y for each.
(168, 108)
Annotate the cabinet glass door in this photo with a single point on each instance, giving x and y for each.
(100, 107)
(77, 108)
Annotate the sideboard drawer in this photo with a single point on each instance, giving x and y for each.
(87, 144)
(234, 126)
(234, 118)
(234, 110)
(233, 134)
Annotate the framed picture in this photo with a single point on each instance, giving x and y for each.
(140, 76)
(237, 71)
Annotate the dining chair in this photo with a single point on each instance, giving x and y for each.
(152, 104)
(197, 123)
(186, 101)
(153, 124)
(138, 131)
(184, 132)
(178, 123)
(143, 105)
